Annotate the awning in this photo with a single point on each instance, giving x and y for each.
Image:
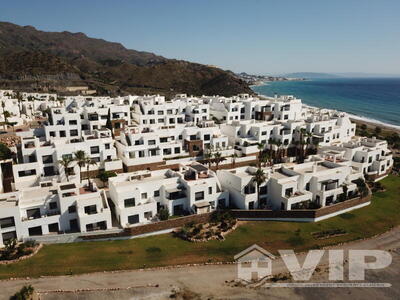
(202, 204)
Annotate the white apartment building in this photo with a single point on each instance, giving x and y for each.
(330, 128)
(370, 156)
(53, 209)
(246, 107)
(38, 160)
(290, 186)
(86, 115)
(142, 147)
(138, 196)
(155, 110)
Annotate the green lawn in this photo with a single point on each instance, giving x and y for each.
(163, 250)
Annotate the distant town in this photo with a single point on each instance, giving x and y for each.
(262, 79)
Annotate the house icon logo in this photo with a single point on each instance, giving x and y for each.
(254, 263)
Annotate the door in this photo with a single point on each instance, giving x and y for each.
(73, 224)
(251, 205)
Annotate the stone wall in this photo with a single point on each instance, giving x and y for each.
(153, 227)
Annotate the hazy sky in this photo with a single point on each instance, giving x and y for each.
(263, 36)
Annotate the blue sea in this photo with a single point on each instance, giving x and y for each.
(372, 99)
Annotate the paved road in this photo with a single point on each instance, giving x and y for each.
(212, 281)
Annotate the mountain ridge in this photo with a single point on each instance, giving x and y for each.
(49, 61)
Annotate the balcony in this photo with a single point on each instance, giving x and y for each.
(39, 216)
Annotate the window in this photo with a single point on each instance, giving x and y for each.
(9, 236)
(90, 210)
(129, 202)
(33, 213)
(207, 137)
(160, 112)
(7, 222)
(94, 150)
(289, 192)
(177, 150)
(26, 173)
(62, 133)
(264, 190)
(210, 189)
(144, 195)
(133, 219)
(72, 209)
(47, 159)
(35, 231)
(67, 156)
(148, 215)
(107, 146)
(199, 196)
(73, 122)
(52, 133)
(151, 142)
(156, 193)
(163, 140)
(53, 227)
(48, 171)
(53, 205)
(73, 132)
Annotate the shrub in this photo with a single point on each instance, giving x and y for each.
(219, 216)
(163, 214)
(5, 152)
(25, 293)
(153, 250)
(30, 243)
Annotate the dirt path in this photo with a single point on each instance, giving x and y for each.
(212, 281)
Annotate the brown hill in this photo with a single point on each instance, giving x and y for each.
(49, 61)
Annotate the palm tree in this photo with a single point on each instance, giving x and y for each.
(234, 156)
(260, 147)
(4, 114)
(89, 162)
(19, 98)
(308, 141)
(265, 158)
(302, 142)
(218, 159)
(80, 158)
(278, 144)
(66, 162)
(315, 143)
(271, 143)
(259, 178)
(208, 156)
